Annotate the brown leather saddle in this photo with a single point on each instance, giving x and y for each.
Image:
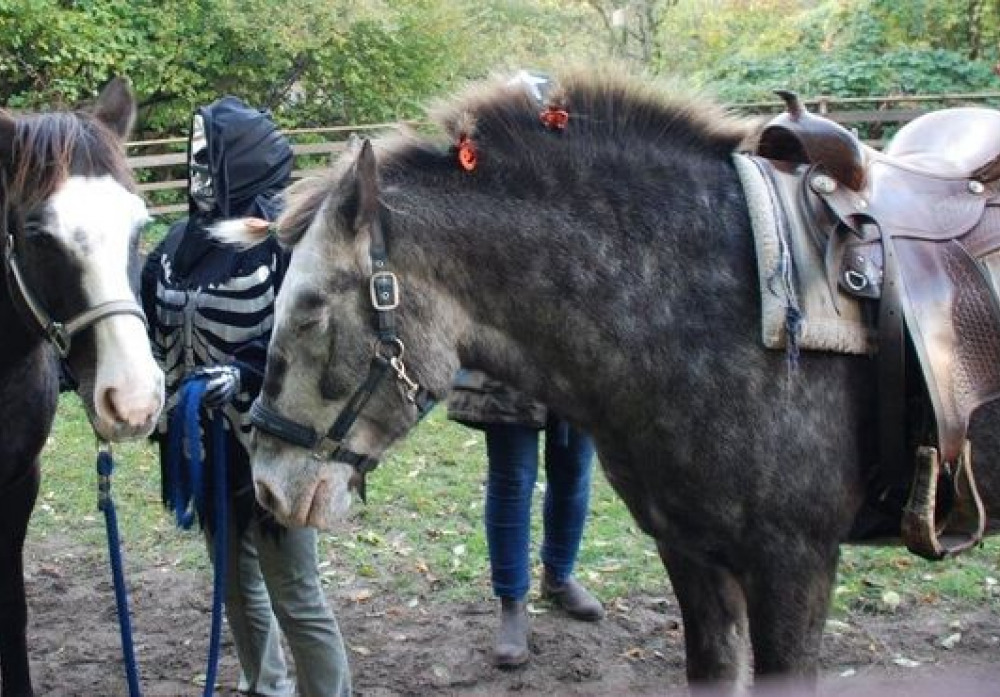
(915, 232)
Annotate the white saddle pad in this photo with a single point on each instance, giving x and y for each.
(792, 275)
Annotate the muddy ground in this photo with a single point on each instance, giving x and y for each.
(401, 647)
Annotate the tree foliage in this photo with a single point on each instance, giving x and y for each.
(845, 47)
(325, 62)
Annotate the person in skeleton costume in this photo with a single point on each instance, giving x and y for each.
(210, 310)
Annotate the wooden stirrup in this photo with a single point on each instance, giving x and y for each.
(965, 523)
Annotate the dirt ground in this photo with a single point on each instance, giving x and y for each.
(401, 648)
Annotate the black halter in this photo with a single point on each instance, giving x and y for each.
(387, 355)
(59, 333)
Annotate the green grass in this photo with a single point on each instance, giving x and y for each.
(421, 534)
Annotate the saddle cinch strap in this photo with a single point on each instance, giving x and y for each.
(924, 241)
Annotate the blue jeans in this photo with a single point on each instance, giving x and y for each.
(512, 451)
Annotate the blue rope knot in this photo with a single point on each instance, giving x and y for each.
(185, 465)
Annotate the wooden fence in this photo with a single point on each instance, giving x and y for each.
(160, 164)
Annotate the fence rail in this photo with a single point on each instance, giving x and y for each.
(160, 164)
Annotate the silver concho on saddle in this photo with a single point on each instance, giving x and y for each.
(862, 252)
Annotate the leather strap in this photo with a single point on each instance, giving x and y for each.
(891, 376)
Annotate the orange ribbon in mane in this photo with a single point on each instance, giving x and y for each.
(555, 118)
(468, 157)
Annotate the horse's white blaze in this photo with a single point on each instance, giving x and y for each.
(95, 218)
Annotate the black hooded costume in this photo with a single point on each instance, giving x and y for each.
(210, 304)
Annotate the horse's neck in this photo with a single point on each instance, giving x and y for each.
(489, 316)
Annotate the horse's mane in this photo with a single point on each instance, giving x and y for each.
(49, 147)
(607, 109)
(302, 201)
(606, 104)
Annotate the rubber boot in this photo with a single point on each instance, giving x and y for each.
(511, 649)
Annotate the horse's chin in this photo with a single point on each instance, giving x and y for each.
(304, 492)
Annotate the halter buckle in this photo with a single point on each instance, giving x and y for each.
(60, 338)
(384, 288)
(325, 448)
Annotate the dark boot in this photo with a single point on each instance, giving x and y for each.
(572, 597)
(511, 649)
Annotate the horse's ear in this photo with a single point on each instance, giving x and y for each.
(8, 131)
(115, 107)
(366, 181)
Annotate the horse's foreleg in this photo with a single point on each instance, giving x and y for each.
(16, 504)
(788, 597)
(715, 621)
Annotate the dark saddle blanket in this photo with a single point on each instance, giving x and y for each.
(895, 254)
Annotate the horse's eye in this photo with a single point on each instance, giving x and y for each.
(34, 229)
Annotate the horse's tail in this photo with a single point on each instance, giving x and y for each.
(243, 232)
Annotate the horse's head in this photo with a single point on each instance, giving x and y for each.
(71, 257)
(342, 381)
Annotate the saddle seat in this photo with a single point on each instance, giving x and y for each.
(917, 230)
(963, 142)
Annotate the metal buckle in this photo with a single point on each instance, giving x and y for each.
(384, 288)
(326, 449)
(59, 337)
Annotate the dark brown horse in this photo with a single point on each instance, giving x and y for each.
(71, 220)
(607, 268)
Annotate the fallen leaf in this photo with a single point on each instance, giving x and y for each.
(950, 641)
(362, 595)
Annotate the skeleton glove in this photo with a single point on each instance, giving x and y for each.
(222, 384)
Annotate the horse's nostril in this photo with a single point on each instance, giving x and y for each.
(106, 401)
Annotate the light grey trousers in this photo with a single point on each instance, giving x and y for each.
(273, 587)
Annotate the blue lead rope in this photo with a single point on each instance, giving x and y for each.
(105, 468)
(187, 499)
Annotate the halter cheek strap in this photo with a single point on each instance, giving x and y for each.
(387, 357)
(59, 334)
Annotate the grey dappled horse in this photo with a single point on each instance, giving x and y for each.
(71, 218)
(607, 268)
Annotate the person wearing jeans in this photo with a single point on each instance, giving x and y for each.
(513, 425)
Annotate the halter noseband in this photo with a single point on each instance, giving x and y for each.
(58, 333)
(387, 355)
